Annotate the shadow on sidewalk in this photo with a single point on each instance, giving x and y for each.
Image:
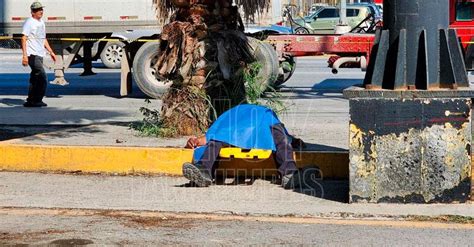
(12, 102)
(51, 123)
(38, 133)
(332, 190)
(106, 84)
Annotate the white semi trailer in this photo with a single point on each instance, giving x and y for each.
(76, 24)
(74, 27)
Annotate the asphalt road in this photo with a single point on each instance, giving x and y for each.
(75, 227)
(312, 78)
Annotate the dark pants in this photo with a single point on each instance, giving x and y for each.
(283, 155)
(38, 80)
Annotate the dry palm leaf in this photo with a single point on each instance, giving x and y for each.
(250, 8)
(164, 9)
(253, 7)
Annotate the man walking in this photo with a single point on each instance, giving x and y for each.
(35, 46)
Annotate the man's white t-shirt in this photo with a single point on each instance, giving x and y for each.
(35, 30)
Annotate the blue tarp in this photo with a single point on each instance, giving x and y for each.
(244, 126)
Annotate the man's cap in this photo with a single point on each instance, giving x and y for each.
(36, 5)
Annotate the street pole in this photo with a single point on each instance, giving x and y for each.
(300, 7)
(342, 26)
(343, 12)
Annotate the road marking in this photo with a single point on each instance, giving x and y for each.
(374, 222)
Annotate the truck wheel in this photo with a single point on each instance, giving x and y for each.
(144, 71)
(111, 56)
(287, 68)
(274, 65)
(269, 67)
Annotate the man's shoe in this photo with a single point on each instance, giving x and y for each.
(199, 176)
(38, 104)
(291, 180)
(30, 104)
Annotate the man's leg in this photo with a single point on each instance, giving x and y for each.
(42, 79)
(284, 151)
(209, 158)
(202, 171)
(38, 81)
(33, 80)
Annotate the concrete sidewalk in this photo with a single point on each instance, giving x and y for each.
(104, 121)
(168, 194)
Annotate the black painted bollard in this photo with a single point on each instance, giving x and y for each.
(416, 50)
(410, 126)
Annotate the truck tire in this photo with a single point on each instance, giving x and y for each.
(275, 65)
(144, 71)
(268, 73)
(287, 69)
(111, 56)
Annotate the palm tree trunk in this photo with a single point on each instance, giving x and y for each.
(203, 52)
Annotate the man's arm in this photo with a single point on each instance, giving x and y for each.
(24, 60)
(50, 51)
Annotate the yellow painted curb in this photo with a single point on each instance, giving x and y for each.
(92, 159)
(129, 160)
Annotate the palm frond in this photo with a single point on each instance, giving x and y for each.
(164, 9)
(250, 8)
(253, 7)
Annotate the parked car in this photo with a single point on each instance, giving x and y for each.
(324, 20)
(315, 7)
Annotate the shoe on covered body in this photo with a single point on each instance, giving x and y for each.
(198, 176)
(291, 180)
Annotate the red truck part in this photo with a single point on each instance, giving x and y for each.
(355, 46)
